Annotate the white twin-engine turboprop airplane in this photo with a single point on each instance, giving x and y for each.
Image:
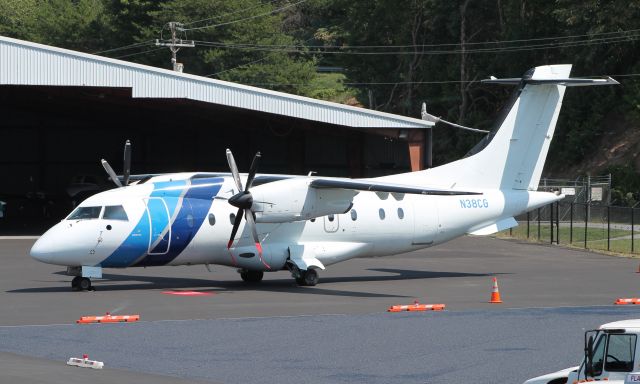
(305, 223)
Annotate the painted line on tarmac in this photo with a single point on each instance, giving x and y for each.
(19, 237)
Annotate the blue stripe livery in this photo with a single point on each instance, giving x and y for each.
(177, 210)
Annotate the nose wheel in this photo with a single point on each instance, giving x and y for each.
(251, 276)
(81, 284)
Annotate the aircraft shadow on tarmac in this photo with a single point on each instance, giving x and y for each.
(117, 283)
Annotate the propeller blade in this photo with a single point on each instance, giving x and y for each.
(126, 165)
(111, 173)
(252, 171)
(234, 170)
(254, 232)
(236, 224)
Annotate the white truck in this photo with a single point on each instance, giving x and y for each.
(610, 355)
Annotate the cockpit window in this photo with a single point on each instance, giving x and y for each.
(85, 213)
(115, 212)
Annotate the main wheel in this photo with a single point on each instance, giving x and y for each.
(310, 277)
(252, 276)
(84, 284)
(75, 283)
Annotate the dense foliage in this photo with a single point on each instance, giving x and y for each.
(395, 54)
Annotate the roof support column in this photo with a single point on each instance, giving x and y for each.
(416, 139)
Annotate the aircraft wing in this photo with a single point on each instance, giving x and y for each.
(361, 185)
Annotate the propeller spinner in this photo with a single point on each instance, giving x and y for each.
(243, 200)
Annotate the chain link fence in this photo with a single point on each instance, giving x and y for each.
(589, 226)
(584, 189)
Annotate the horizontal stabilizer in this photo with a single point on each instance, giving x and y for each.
(498, 226)
(359, 185)
(568, 82)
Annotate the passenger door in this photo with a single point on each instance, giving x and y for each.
(160, 228)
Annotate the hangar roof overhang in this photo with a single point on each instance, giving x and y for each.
(31, 64)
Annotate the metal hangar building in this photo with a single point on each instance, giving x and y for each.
(62, 111)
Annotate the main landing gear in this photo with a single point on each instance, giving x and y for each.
(308, 278)
(251, 276)
(303, 277)
(80, 283)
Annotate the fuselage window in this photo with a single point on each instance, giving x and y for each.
(212, 219)
(232, 218)
(85, 213)
(331, 217)
(115, 212)
(354, 215)
(400, 213)
(381, 213)
(313, 220)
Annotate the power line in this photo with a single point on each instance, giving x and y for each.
(130, 46)
(247, 18)
(138, 53)
(532, 47)
(230, 13)
(422, 82)
(621, 34)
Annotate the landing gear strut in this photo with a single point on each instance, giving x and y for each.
(81, 284)
(251, 276)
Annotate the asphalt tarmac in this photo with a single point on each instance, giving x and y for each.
(336, 332)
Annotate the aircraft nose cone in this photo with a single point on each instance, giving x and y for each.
(42, 250)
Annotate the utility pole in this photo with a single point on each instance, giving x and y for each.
(175, 43)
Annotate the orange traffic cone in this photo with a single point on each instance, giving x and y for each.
(495, 293)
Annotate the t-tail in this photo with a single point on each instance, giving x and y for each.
(512, 156)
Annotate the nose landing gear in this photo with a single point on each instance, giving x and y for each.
(80, 283)
(251, 276)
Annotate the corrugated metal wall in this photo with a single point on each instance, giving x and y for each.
(25, 63)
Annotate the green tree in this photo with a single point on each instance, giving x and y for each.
(228, 34)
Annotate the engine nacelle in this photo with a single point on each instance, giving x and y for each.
(293, 200)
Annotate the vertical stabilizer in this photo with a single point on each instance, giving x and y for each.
(514, 155)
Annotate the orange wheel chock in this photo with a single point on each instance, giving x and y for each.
(416, 307)
(108, 318)
(625, 301)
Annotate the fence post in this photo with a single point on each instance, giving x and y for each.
(608, 227)
(538, 224)
(558, 222)
(551, 222)
(571, 224)
(529, 220)
(586, 223)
